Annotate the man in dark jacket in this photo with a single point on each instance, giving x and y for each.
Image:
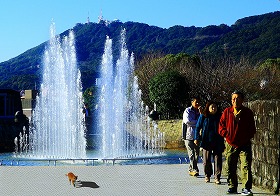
(237, 126)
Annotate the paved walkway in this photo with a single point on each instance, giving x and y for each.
(117, 180)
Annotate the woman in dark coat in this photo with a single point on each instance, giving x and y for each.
(206, 134)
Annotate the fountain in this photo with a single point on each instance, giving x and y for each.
(124, 124)
(57, 129)
(58, 124)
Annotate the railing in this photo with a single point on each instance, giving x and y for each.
(16, 162)
(105, 160)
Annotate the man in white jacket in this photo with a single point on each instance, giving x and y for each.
(190, 117)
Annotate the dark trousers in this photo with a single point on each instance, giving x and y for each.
(207, 163)
(244, 154)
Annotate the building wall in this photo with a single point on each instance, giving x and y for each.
(28, 100)
(265, 145)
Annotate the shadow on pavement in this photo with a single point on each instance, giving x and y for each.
(88, 184)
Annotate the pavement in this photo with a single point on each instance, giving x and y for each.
(109, 180)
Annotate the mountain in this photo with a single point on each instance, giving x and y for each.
(255, 37)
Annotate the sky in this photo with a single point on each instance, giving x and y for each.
(25, 24)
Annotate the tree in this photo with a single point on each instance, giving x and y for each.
(90, 97)
(155, 63)
(168, 90)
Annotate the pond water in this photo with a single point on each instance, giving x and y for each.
(170, 156)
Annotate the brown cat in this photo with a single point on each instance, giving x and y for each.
(72, 178)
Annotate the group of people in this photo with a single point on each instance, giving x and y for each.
(216, 132)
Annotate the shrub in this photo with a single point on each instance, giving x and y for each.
(168, 90)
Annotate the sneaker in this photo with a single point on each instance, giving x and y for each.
(246, 192)
(207, 179)
(232, 191)
(217, 181)
(194, 173)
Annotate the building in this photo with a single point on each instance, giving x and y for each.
(28, 100)
(10, 104)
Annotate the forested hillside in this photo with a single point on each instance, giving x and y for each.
(255, 38)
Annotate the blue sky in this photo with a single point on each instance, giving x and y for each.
(25, 23)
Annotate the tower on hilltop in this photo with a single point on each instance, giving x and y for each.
(88, 20)
(100, 17)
